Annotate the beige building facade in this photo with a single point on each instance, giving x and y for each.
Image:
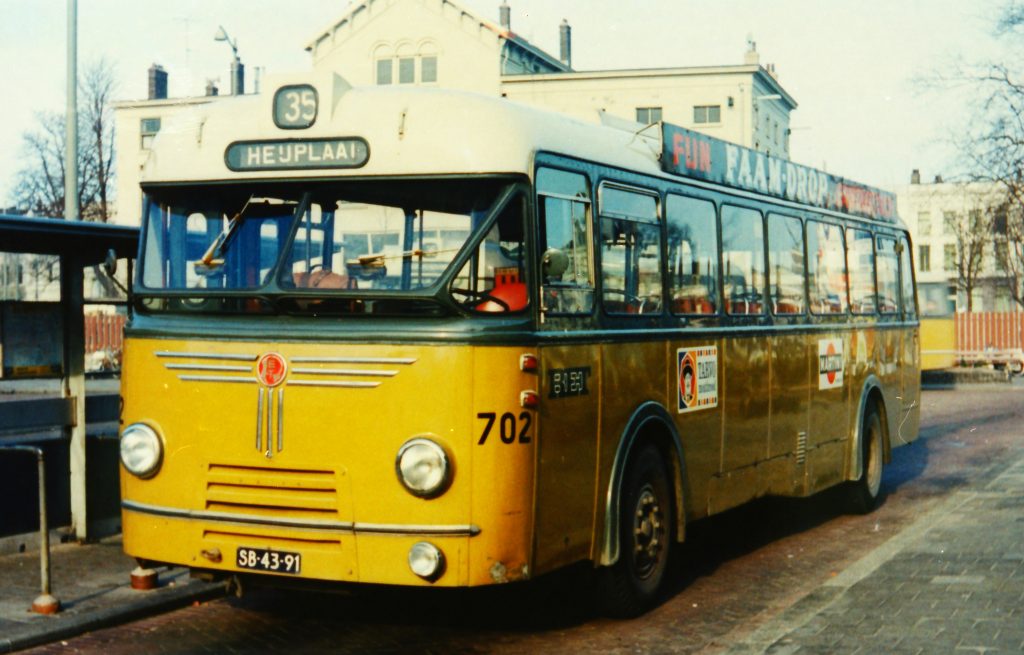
(946, 221)
(440, 43)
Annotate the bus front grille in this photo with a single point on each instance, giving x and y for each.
(272, 492)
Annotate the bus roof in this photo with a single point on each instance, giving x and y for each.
(323, 127)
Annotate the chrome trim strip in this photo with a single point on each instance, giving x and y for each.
(333, 383)
(234, 356)
(280, 419)
(310, 524)
(353, 360)
(436, 530)
(269, 452)
(345, 371)
(208, 367)
(230, 517)
(216, 378)
(259, 420)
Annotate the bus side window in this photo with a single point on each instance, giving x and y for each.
(786, 264)
(743, 260)
(907, 281)
(494, 278)
(826, 268)
(692, 255)
(567, 281)
(630, 252)
(888, 275)
(862, 271)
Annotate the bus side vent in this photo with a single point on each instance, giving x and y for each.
(801, 447)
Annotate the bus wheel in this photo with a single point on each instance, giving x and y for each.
(865, 490)
(631, 585)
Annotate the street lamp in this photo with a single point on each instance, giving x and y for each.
(237, 68)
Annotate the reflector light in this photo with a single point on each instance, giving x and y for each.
(528, 363)
(529, 399)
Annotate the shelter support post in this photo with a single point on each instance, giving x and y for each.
(73, 387)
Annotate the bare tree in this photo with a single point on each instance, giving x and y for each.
(994, 150)
(39, 184)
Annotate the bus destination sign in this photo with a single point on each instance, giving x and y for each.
(689, 153)
(297, 154)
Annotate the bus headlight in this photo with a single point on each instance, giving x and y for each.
(423, 467)
(141, 450)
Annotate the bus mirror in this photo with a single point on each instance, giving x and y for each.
(110, 263)
(554, 264)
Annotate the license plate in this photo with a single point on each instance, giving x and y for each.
(275, 561)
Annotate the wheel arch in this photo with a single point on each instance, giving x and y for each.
(649, 423)
(871, 392)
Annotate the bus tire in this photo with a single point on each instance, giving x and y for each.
(864, 492)
(631, 585)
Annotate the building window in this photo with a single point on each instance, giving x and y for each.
(949, 257)
(949, 222)
(924, 258)
(384, 71)
(924, 224)
(148, 127)
(648, 115)
(707, 114)
(406, 70)
(428, 69)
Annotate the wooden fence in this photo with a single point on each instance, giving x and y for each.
(103, 332)
(979, 331)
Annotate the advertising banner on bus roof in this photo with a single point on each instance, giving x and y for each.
(691, 154)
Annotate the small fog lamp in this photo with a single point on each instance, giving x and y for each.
(426, 560)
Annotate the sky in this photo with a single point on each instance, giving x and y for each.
(858, 69)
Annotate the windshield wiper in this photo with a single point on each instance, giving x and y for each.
(213, 258)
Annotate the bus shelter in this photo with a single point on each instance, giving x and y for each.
(41, 340)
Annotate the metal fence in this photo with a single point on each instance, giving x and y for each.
(981, 331)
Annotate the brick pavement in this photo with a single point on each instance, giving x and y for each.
(953, 582)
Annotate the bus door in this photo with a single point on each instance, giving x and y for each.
(570, 373)
(790, 368)
(910, 351)
(830, 351)
(746, 372)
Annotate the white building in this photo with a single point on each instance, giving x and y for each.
(943, 218)
(441, 43)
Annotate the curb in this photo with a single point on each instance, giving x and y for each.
(47, 630)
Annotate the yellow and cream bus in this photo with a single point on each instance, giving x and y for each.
(421, 337)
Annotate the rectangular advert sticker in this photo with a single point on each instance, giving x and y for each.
(697, 373)
(830, 363)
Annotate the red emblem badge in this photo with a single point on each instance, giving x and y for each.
(271, 369)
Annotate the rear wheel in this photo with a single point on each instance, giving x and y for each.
(631, 585)
(864, 492)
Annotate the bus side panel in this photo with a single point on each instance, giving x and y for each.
(910, 360)
(831, 384)
(938, 343)
(790, 395)
(504, 441)
(631, 374)
(700, 431)
(567, 426)
(889, 353)
(745, 392)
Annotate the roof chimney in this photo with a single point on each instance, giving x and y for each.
(565, 43)
(505, 15)
(915, 176)
(751, 57)
(157, 82)
(211, 88)
(938, 179)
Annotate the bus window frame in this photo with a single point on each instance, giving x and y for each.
(903, 241)
(819, 219)
(749, 318)
(715, 200)
(537, 284)
(896, 315)
(658, 221)
(792, 317)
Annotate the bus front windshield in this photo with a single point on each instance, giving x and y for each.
(357, 247)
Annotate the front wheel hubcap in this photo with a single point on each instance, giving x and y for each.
(648, 533)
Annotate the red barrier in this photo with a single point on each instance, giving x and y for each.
(978, 331)
(104, 332)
